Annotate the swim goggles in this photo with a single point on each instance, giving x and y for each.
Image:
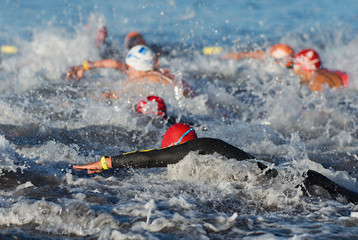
(182, 136)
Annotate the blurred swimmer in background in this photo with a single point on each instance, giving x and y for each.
(307, 65)
(139, 67)
(282, 53)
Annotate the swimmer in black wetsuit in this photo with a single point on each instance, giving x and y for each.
(171, 155)
(180, 139)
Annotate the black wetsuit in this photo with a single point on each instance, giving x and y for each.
(171, 155)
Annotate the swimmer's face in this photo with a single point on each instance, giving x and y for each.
(131, 72)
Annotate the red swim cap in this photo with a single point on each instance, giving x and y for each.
(283, 52)
(154, 105)
(133, 39)
(308, 60)
(178, 133)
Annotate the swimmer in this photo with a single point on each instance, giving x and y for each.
(139, 67)
(180, 139)
(308, 66)
(133, 39)
(106, 50)
(282, 53)
(100, 34)
(104, 46)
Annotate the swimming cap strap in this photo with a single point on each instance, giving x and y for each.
(186, 133)
(85, 65)
(103, 163)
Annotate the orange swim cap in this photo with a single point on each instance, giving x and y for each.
(132, 39)
(178, 133)
(153, 105)
(283, 53)
(307, 60)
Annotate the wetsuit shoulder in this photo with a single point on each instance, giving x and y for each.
(213, 145)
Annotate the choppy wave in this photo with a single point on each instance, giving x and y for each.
(47, 124)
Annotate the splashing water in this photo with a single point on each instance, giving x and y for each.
(48, 123)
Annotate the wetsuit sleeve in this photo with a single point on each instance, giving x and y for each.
(171, 155)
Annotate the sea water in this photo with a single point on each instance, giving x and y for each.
(48, 124)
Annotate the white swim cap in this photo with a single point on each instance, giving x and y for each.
(141, 58)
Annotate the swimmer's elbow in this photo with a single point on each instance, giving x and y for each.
(189, 93)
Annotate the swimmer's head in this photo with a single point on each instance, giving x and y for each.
(178, 133)
(307, 60)
(141, 58)
(283, 53)
(153, 105)
(133, 39)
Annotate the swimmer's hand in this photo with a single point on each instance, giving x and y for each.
(94, 167)
(75, 71)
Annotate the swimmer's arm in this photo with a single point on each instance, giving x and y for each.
(322, 78)
(138, 159)
(78, 71)
(234, 56)
(94, 167)
(142, 159)
(188, 91)
(171, 155)
(107, 63)
(318, 80)
(150, 158)
(315, 86)
(164, 76)
(242, 55)
(256, 54)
